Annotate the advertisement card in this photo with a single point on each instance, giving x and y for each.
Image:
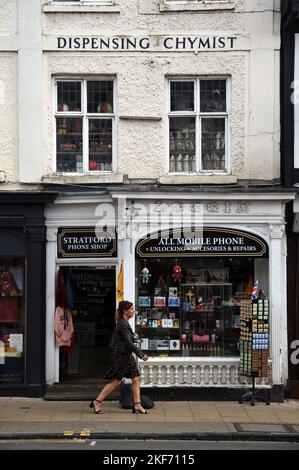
(174, 345)
(159, 301)
(162, 344)
(173, 292)
(144, 344)
(173, 302)
(144, 302)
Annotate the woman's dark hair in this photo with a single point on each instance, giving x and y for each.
(123, 306)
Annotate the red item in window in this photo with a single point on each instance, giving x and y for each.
(8, 309)
(92, 165)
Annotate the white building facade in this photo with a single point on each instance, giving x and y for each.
(134, 108)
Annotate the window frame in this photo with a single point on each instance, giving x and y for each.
(85, 123)
(81, 2)
(196, 5)
(198, 123)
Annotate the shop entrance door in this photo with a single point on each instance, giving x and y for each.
(93, 292)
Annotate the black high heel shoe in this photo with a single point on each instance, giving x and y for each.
(135, 410)
(91, 405)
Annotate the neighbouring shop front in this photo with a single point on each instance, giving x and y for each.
(190, 292)
(22, 294)
(82, 269)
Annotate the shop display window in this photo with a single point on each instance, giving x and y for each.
(191, 306)
(12, 319)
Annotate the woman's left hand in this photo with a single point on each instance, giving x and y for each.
(145, 357)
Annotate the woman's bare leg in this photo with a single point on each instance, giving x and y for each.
(136, 381)
(109, 388)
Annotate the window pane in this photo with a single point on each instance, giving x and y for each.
(182, 145)
(68, 96)
(213, 144)
(100, 144)
(12, 319)
(212, 96)
(69, 145)
(182, 96)
(100, 96)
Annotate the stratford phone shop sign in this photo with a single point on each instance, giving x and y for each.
(85, 243)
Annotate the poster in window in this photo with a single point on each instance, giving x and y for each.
(173, 302)
(162, 344)
(173, 292)
(144, 301)
(152, 344)
(8, 310)
(174, 345)
(144, 344)
(159, 301)
(11, 281)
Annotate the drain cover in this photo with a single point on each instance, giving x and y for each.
(261, 427)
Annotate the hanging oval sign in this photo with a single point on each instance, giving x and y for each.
(211, 241)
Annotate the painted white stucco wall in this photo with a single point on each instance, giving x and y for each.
(8, 117)
(142, 145)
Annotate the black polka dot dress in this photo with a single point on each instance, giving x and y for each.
(122, 365)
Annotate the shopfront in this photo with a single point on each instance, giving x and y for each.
(22, 294)
(188, 290)
(86, 262)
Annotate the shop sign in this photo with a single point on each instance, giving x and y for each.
(209, 242)
(85, 242)
(152, 43)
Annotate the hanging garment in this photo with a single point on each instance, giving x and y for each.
(120, 283)
(61, 294)
(69, 291)
(63, 326)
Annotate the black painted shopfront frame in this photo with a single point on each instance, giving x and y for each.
(23, 234)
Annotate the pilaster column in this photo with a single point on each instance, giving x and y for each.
(278, 303)
(52, 352)
(30, 73)
(127, 253)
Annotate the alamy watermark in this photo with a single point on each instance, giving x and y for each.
(295, 354)
(133, 220)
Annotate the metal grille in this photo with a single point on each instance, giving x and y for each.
(213, 144)
(68, 96)
(213, 96)
(100, 96)
(182, 145)
(182, 96)
(69, 144)
(100, 144)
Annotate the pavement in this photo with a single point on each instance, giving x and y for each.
(35, 418)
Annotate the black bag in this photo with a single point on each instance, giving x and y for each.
(126, 398)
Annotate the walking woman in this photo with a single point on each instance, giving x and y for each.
(122, 363)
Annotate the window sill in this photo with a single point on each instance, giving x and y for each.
(81, 8)
(187, 6)
(64, 178)
(197, 179)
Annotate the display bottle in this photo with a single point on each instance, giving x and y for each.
(186, 163)
(179, 163)
(172, 164)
